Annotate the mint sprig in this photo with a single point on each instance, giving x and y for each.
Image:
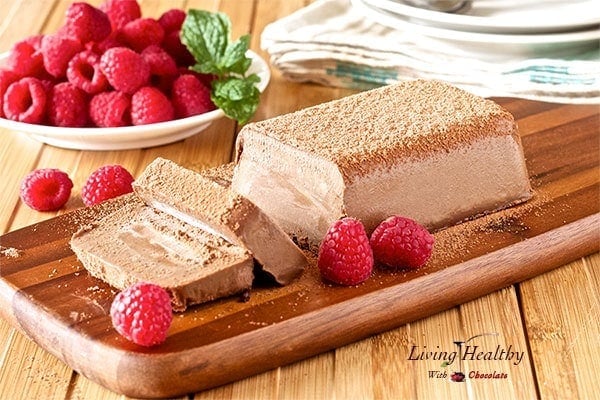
(207, 36)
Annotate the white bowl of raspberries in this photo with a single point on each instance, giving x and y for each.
(110, 79)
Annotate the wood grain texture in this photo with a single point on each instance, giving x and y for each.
(565, 344)
(47, 295)
(27, 371)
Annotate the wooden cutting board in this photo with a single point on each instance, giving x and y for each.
(45, 292)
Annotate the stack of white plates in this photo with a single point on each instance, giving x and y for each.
(559, 27)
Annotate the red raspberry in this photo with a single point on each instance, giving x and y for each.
(25, 101)
(57, 51)
(172, 20)
(67, 106)
(345, 256)
(163, 69)
(206, 79)
(190, 97)
(100, 47)
(110, 109)
(86, 23)
(141, 33)
(35, 41)
(142, 313)
(84, 72)
(6, 78)
(150, 105)
(125, 69)
(106, 183)
(172, 44)
(401, 242)
(46, 189)
(25, 59)
(120, 12)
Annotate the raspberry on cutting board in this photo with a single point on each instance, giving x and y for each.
(345, 256)
(142, 313)
(106, 183)
(400, 242)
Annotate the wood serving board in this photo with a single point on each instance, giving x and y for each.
(45, 292)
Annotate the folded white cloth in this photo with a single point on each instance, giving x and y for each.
(332, 42)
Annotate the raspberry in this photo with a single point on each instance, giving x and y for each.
(110, 109)
(401, 242)
(25, 101)
(120, 12)
(125, 69)
(150, 105)
(34, 41)
(67, 106)
(100, 47)
(24, 59)
(172, 44)
(162, 66)
(106, 183)
(345, 256)
(6, 78)
(57, 51)
(172, 20)
(190, 97)
(86, 23)
(142, 313)
(141, 33)
(84, 72)
(206, 79)
(46, 189)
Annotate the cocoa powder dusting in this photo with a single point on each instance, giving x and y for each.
(374, 128)
(458, 240)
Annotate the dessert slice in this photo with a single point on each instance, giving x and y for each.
(137, 243)
(206, 201)
(422, 149)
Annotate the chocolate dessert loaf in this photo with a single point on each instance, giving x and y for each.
(138, 243)
(205, 200)
(421, 149)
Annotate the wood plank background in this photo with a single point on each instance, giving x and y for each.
(553, 318)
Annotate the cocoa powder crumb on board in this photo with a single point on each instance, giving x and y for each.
(9, 252)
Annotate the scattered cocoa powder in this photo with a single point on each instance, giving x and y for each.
(9, 252)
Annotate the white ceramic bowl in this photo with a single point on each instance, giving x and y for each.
(131, 137)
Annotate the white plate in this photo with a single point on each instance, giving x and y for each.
(131, 137)
(504, 16)
(555, 44)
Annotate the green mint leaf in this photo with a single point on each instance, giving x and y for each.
(235, 60)
(237, 97)
(206, 35)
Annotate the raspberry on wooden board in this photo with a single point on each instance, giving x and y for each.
(142, 313)
(345, 256)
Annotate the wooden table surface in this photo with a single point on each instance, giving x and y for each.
(552, 319)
